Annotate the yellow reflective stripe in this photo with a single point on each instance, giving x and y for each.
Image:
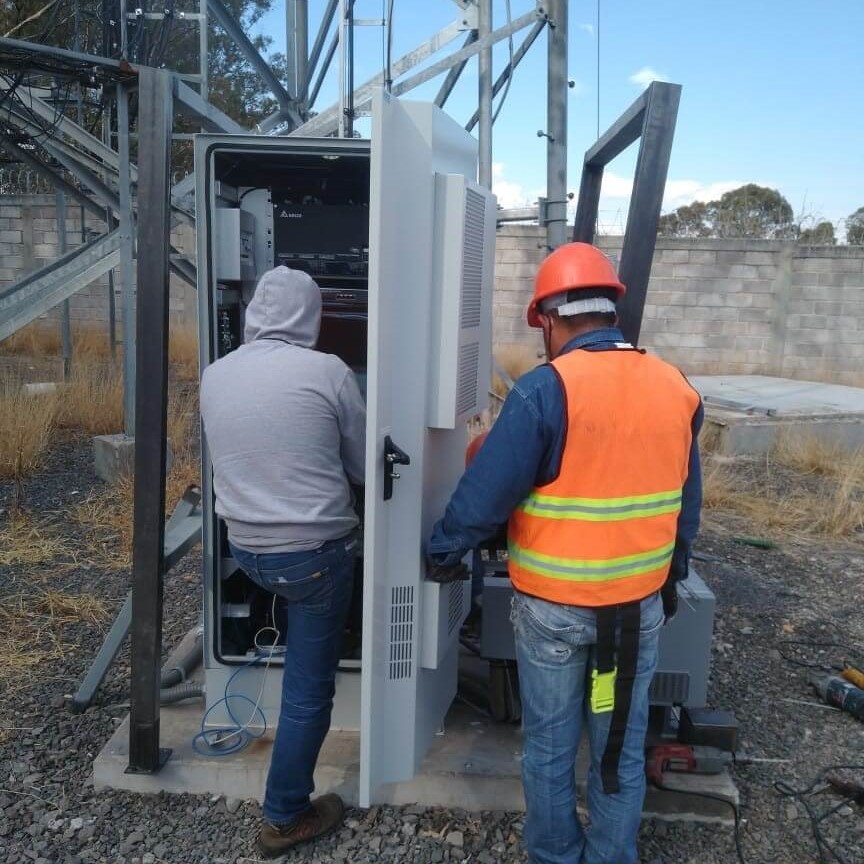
(602, 516)
(602, 509)
(610, 502)
(591, 570)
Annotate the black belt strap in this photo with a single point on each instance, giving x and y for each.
(629, 617)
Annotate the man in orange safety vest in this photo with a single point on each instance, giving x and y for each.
(593, 465)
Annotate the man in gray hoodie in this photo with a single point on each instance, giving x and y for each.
(285, 428)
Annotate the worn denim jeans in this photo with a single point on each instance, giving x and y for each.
(315, 594)
(555, 650)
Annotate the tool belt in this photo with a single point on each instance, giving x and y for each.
(611, 682)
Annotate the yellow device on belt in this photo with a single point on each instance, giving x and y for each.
(603, 691)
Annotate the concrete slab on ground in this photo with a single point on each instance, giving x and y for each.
(473, 764)
(749, 412)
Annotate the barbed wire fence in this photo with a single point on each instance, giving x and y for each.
(21, 180)
(613, 222)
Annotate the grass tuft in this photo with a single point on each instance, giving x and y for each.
(24, 543)
(31, 627)
(791, 494)
(106, 516)
(183, 353)
(92, 401)
(26, 426)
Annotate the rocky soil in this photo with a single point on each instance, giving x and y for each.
(766, 597)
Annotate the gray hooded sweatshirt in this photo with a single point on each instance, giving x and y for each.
(285, 425)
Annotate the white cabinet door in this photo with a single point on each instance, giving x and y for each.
(403, 703)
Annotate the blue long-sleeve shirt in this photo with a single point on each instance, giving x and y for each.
(524, 449)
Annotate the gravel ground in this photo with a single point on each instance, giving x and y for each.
(49, 813)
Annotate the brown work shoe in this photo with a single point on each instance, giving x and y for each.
(324, 814)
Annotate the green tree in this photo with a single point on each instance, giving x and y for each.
(687, 221)
(754, 211)
(748, 211)
(235, 87)
(855, 228)
(821, 234)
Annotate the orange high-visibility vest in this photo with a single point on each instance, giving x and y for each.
(603, 531)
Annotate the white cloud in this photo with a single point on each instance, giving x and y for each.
(509, 193)
(646, 75)
(615, 194)
(678, 192)
(586, 28)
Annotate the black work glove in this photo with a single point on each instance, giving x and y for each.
(678, 571)
(443, 574)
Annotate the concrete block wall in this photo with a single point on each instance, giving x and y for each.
(713, 306)
(723, 306)
(29, 241)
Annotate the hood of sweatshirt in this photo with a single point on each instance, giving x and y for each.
(286, 306)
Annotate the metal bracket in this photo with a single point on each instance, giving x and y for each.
(469, 19)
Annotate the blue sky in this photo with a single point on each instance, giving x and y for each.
(772, 93)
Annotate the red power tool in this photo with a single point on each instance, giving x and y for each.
(684, 759)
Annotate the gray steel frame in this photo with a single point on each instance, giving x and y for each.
(182, 532)
(155, 105)
(651, 119)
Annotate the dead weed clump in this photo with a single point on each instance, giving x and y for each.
(32, 627)
(92, 400)
(795, 494)
(107, 516)
(810, 454)
(183, 353)
(26, 426)
(23, 542)
(43, 339)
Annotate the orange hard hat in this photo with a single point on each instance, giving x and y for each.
(572, 266)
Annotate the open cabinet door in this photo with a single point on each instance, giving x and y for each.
(404, 696)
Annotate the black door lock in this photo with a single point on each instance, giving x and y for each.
(393, 455)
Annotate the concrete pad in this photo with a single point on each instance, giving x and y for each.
(40, 388)
(749, 412)
(473, 764)
(114, 457)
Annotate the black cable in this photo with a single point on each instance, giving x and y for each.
(805, 643)
(800, 796)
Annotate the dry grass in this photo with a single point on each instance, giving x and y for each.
(107, 516)
(34, 340)
(795, 493)
(26, 427)
(515, 360)
(811, 454)
(42, 339)
(183, 353)
(92, 400)
(32, 623)
(90, 343)
(23, 542)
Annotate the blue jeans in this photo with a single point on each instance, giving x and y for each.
(555, 651)
(315, 594)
